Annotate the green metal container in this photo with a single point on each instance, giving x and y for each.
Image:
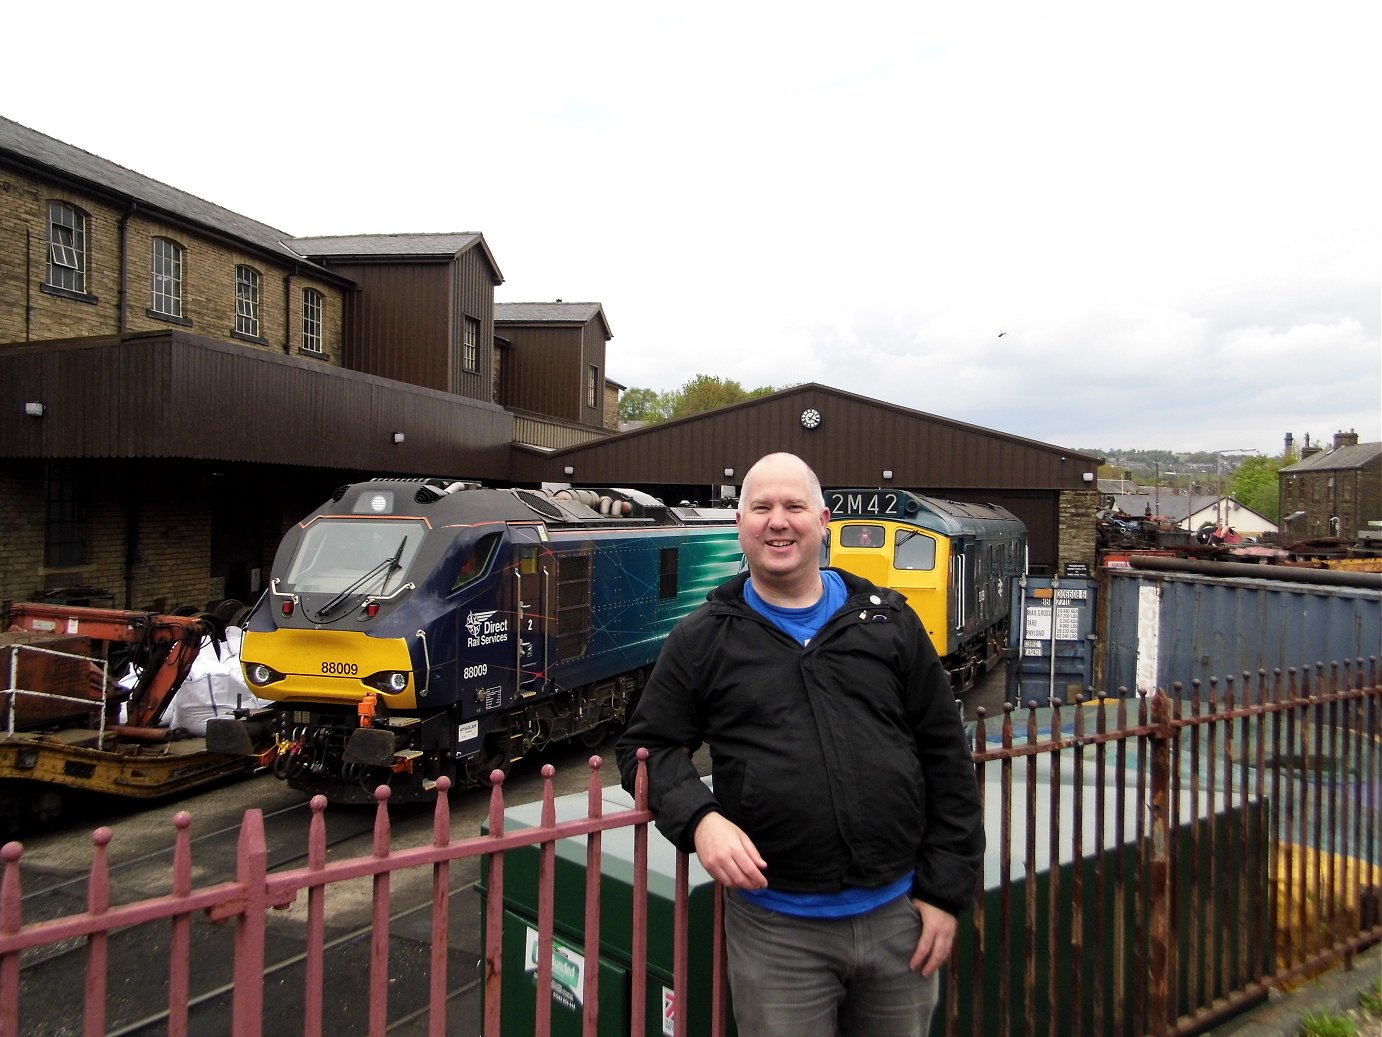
(519, 977)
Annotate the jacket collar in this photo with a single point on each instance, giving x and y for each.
(732, 591)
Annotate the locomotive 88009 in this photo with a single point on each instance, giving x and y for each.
(420, 628)
(952, 560)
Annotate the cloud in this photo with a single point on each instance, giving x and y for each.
(1172, 210)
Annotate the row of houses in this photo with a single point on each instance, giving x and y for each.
(1327, 492)
(179, 383)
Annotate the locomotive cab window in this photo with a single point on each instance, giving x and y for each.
(476, 562)
(862, 536)
(914, 551)
(338, 553)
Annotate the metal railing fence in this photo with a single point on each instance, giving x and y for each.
(1156, 864)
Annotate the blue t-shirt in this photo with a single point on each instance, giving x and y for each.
(802, 625)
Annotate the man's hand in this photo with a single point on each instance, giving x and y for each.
(728, 854)
(937, 938)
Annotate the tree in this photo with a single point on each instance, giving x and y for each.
(643, 405)
(1254, 484)
(706, 392)
(702, 393)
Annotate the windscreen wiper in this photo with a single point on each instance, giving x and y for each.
(387, 567)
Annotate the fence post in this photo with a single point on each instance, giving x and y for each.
(247, 1018)
(11, 921)
(1161, 954)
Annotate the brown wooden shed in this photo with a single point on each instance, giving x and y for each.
(556, 360)
(424, 309)
(850, 441)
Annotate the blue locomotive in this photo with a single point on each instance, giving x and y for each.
(414, 628)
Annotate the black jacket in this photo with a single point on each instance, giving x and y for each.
(844, 761)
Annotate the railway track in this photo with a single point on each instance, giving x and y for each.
(55, 874)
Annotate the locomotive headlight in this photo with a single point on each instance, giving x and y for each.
(390, 681)
(260, 674)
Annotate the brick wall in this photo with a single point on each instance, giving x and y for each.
(1077, 535)
(21, 500)
(611, 408)
(208, 278)
(171, 563)
(1353, 495)
(26, 312)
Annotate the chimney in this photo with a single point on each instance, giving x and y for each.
(1308, 450)
(1290, 450)
(1349, 438)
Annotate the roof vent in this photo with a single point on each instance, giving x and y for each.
(542, 505)
(433, 490)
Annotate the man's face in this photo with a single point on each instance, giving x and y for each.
(780, 524)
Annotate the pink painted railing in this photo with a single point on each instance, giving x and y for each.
(246, 902)
(1156, 864)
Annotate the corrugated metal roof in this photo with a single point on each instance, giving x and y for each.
(659, 429)
(73, 163)
(1358, 456)
(176, 394)
(550, 313)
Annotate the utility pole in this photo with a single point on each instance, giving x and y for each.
(1221, 506)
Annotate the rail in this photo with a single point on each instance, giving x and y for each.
(1156, 864)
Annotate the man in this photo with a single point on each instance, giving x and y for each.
(845, 820)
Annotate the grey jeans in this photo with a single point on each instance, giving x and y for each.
(827, 977)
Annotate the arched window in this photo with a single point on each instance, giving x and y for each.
(66, 247)
(247, 301)
(312, 301)
(165, 270)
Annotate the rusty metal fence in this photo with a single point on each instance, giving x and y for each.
(1162, 861)
(1156, 864)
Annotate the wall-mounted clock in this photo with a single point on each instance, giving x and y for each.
(810, 418)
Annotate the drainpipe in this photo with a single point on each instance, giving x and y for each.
(131, 506)
(124, 323)
(288, 311)
(28, 284)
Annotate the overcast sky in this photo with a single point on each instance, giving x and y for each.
(1172, 211)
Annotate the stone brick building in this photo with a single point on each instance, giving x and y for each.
(163, 415)
(179, 383)
(1332, 493)
(93, 249)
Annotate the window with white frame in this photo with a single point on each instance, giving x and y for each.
(166, 272)
(247, 301)
(312, 320)
(592, 381)
(66, 247)
(470, 345)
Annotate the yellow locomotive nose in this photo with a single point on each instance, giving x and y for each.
(329, 667)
